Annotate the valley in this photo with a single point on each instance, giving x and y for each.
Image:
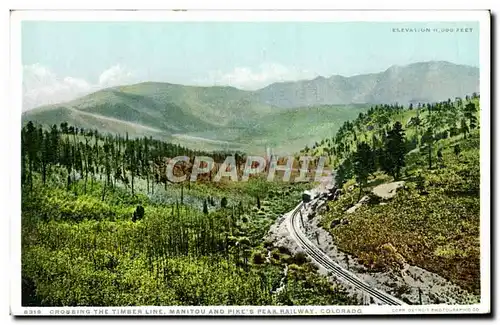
(285, 116)
(105, 221)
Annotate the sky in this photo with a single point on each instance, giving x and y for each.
(65, 60)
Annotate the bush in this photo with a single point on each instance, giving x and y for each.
(258, 258)
(284, 250)
(276, 254)
(223, 202)
(138, 213)
(300, 258)
(420, 183)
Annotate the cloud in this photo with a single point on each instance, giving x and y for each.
(252, 79)
(114, 76)
(41, 86)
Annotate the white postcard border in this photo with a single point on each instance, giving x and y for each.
(482, 16)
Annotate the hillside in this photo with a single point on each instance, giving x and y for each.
(432, 221)
(419, 82)
(102, 226)
(98, 215)
(286, 116)
(286, 131)
(170, 108)
(201, 118)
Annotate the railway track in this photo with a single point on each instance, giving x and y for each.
(321, 258)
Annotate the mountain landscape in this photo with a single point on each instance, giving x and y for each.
(273, 166)
(394, 218)
(278, 115)
(419, 82)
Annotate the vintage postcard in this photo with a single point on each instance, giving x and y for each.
(250, 163)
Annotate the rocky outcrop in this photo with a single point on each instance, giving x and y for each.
(364, 200)
(409, 283)
(387, 191)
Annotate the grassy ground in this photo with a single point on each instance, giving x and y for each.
(433, 223)
(80, 250)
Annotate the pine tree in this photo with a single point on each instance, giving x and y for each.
(54, 144)
(420, 183)
(64, 128)
(440, 157)
(470, 114)
(394, 158)
(363, 165)
(130, 153)
(344, 171)
(464, 128)
(31, 149)
(145, 162)
(46, 154)
(205, 207)
(240, 209)
(428, 139)
(23, 157)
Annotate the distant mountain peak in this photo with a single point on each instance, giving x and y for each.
(428, 80)
(426, 64)
(179, 112)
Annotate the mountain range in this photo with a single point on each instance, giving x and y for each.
(418, 82)
(226, 117)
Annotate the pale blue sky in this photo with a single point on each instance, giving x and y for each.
(231, 53)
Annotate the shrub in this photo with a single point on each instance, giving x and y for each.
(300, 258)
(138, 213)
(420, 183)
(223, 202)
(258, 258)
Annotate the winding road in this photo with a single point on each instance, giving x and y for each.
(293, 225)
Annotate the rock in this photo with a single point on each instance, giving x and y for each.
(352, 209)
(387, 191)
(365, 199)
